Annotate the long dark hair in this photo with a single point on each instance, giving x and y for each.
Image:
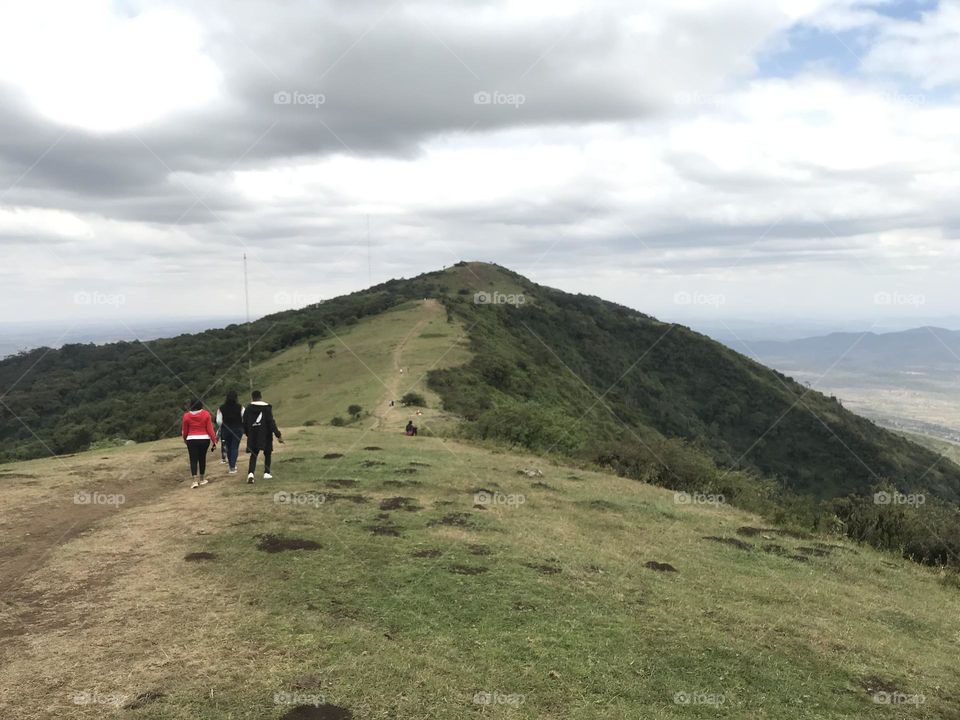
(196, 404)
(231, 398)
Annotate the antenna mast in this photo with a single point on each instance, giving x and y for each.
(246, 297)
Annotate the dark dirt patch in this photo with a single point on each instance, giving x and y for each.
(372, 463)
(202, 555)
(417, 463)
(799, 558)
(829, 546)
(478, 506)
(659, 566)
(432, 553)
(541, 485)
(317, 712)
(601, 505)
(747, 531)
(287, 461)
(383, 516)
(401, 483)
(355, 499)
(143, 698)
(275, 543)
(874, 684)
(775, 549)
(732, 542)
(479, 550)
(467, 569)
(332, 456)
(372, 448)
(478, 490)
(389, 530)
(341, 483)
(544, 568)
(407, 471)
(818, 552)
(400, 503)
(458, 519)
(15, 476)
(443, 502)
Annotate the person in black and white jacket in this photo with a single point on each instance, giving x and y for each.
(260, 429)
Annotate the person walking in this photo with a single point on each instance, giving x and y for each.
(260, 428)
(197, 431)
(230, 420)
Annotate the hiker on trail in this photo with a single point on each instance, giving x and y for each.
(411, 429)
(260, 428)
(197, 431)
(230, 420)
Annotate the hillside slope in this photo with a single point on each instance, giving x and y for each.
(554, 372)
(435, 582)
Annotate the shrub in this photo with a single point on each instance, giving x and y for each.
(338, 421)
(415, 399)
(355, 410)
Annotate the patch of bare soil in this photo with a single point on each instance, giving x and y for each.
(275, 543)
(400, 503)
(318, 712)
(659, 566)
(732, 542)
(458, 519)
(197, 556)
(467, 569)
(332, 456)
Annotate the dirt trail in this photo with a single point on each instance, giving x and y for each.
(397, 383)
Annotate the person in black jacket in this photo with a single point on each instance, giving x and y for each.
(230, 421)
(260, 429)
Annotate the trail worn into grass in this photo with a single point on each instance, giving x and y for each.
(396, 381)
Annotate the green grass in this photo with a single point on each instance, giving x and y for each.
(393, 635)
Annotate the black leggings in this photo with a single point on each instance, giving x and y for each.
(198, 455)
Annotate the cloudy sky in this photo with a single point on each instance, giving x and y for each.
(745, 158)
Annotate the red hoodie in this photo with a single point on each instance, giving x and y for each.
(198, 425)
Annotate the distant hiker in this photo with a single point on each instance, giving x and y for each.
(391, 403)
(260, 428)
(197, 431)
(230, 420)
(411, 429)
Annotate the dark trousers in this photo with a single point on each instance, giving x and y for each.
(267, 452)
(231, 446)
(198, 455)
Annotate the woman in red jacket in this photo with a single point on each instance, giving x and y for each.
(198, 433)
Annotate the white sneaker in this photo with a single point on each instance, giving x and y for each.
(204, 481)
(195, 485)
(267, 476)
(222, 461)
(232, 472)
(250, 478)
